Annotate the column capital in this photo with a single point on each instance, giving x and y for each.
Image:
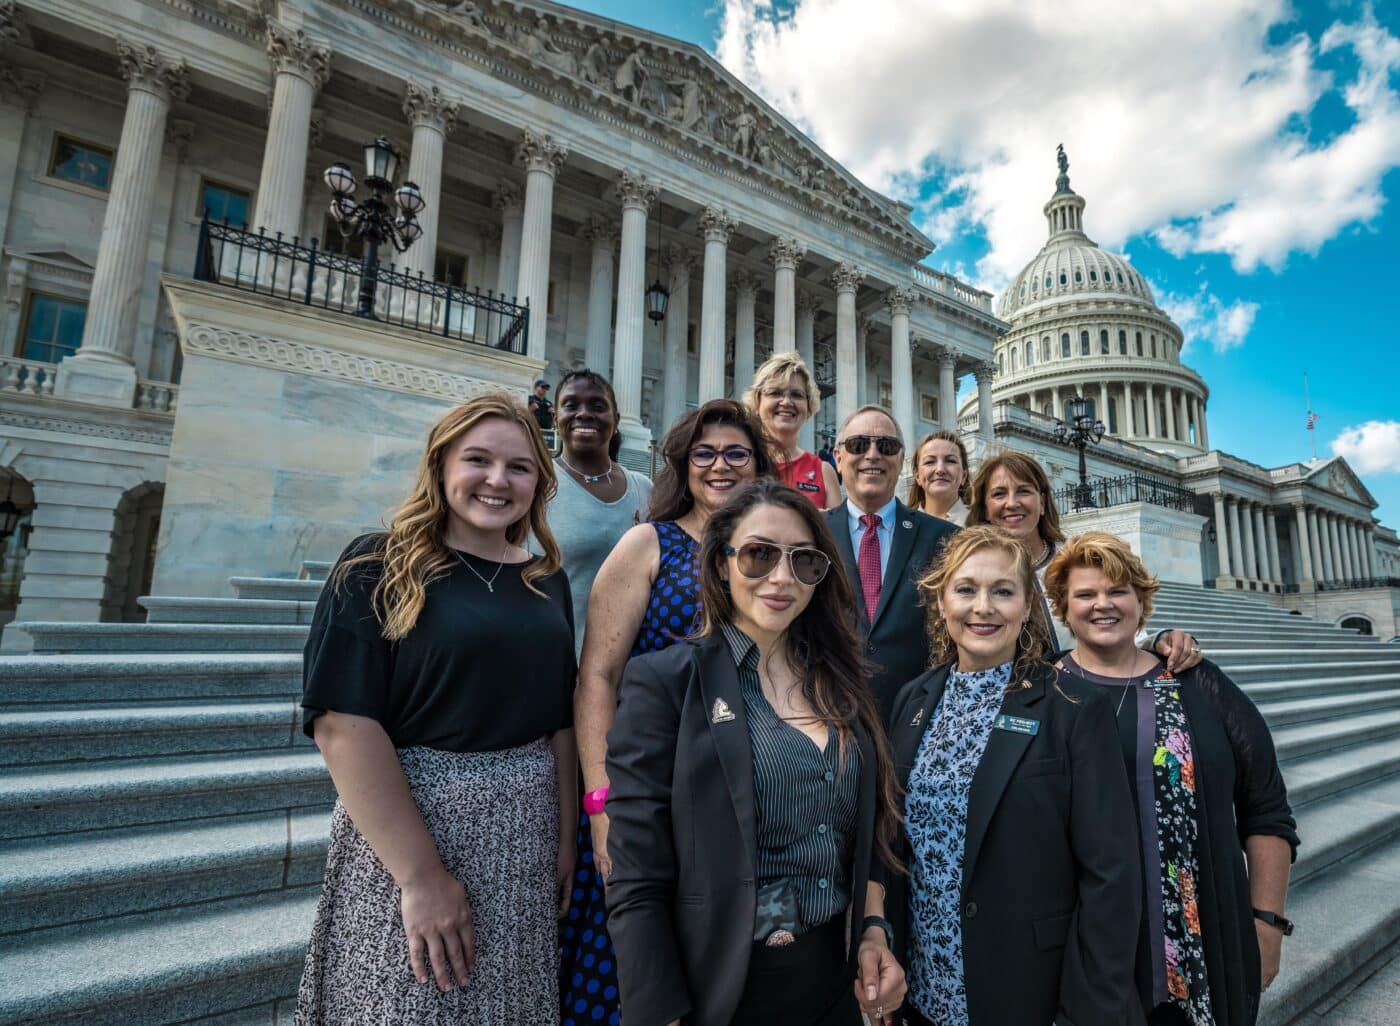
(508, 198)
(179, 133)
(947, 356)
(984, 373)
(425, 105)
(295, 53)
(490, 232)
(540, 151)
(806, 302)
(786, 254)
(716, 225)
(635, 190)
(678, 260)
(21, 87)
(143, 67)
(602, 229)
(13, 27)
(746, 283)
(846, 277)
(900, 300)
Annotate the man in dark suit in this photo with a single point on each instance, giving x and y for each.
(886, 546)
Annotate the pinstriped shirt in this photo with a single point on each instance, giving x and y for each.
(805, 799)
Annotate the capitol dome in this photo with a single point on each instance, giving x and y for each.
(1084, 322)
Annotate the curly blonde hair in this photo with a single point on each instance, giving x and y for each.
(414, 552)
(1102, 552)
(1034, 645)
(781, 368)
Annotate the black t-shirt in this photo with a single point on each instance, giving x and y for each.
(480, 671)
(543, 410)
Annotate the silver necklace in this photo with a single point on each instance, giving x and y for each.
(490, 585)
(589, 478)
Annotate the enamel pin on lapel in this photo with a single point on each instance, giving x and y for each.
(918, 718)
(1017, 724)
(907, 523)
(721, 713)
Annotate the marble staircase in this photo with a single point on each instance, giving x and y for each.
(163, 820)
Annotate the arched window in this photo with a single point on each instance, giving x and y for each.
(1013, 361)
(1049, 282)
(1153, 344)
(1079, 277)
(1001, 363)
(1093, 275)
(1122, 342)
(1030, 352)
(1063, 279)
(1139, 343)
(1083, 343)
(1049, 410)
(1023, 292)
(1120, 277)
(1064, 345)
(1045, 349)
(1103, 342)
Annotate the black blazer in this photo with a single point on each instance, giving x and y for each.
(1051, 890)
(896, 641)
(683, 836)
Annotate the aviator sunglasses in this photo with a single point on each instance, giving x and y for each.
(759, 559)
(885, 445)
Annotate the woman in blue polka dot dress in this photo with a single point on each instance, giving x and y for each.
(646, 597)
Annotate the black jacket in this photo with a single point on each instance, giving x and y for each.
(897, 640)
(683, 836)
(1051, 890)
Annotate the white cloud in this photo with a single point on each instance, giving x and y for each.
(1205, 317)
(1180, 118)
(1371, 448)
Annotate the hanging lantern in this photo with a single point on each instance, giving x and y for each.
(657, 300)
(381, 160)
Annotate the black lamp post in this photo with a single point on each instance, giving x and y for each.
(1079, 432)
(386, 215)
(658, 296)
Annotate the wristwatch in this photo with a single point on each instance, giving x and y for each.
(883, 924)
(1284, 926)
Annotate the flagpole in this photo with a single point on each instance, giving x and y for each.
(1312, 432)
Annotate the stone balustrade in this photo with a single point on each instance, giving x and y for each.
(156, 396)
(37, 378)
(946, 285)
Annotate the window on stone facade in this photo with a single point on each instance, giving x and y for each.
(1094, 276)
(1083, 343)
(53, 328)
(1122, 342)
(1001, 363)
(549, 301)
(1103, 342)
(1063, 279)
(1120, 277)
(1049, 282)
(1064, 345)
(1153, 345)
(928, 407)
(1079, 277)
(1045, 349)
(1030, 352)
(450, 267)
(81, 163)
(223, 202)
(1112, 415)
(1139, 343)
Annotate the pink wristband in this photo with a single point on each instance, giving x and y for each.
(595, 802)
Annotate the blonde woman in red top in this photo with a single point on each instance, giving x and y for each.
(785, 397)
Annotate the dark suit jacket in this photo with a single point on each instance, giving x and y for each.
(1051, 889)
(683, 836)
(896, 641)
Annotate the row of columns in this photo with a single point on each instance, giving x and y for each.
(1246, 538)
(1144, 411)
(1332, 548)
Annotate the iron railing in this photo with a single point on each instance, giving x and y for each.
(1118, 491)
(270, 265)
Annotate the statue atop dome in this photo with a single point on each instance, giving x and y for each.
(1062, 182)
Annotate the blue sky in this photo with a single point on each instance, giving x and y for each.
(1245, 154)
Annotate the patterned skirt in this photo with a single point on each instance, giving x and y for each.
(494, 817)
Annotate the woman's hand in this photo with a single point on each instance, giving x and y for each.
(1270, 952)
(438, 922)
(1180, 651)
(598, 827)
(880, 980)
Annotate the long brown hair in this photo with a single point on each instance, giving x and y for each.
(1022, 467)
(916, 490)
(414, 552)
(670, 495)
(822, 643)
(1034, 645)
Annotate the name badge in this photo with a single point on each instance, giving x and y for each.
(1017, 724)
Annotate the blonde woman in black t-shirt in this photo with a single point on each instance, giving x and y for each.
(438, 685)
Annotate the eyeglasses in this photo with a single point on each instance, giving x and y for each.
(792, 395)
(885, 445)
(703, 456)
(759, 559)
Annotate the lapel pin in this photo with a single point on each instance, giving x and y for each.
(721, 713)
(918, 716)
(907, 523)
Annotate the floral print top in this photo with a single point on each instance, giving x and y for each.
(935, 812)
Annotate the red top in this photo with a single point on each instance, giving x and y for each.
(805, 474)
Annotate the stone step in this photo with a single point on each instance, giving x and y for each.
(1306, 669)
(161, 609)
(53, 881)
(315, 569)
(1346, 824)
(35, 801)
(1345, 917)
(1321, 774)
(1292, 635)
(1262, 691)
(1234, 658)
(277, 588)
(83, 733)
(80, 638)
(143, 678)
(1298, 740)
(1328, 708)
(1171, 617)
(158, 968)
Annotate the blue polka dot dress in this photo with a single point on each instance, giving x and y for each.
(588, 973)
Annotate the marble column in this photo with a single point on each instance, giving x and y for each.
(1368, 541)
(1348, 549)
(785, 255)
(1154, 428)
(746, 285)
(1271, 534)
(1236, 548)
(1222, 535)
(1183, 418)
(985, 427)
(102, 370)
(1317, 536)
(511, 204)
(1251, 552)
(1129, 415)
(543, 158)
(1102, 412)
(601, 233)
(805, 329)
(862, 362)
(898, 301)
(675, 385)
(1261, 544)
(846, 279)
(1201, 432)
(1330, 558)
(948, 388)
(716, 227)
(1302, 553)
(19, 91)
(636, 194)
(432, 116)
(300, 66)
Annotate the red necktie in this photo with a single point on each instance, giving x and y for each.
(868, 563)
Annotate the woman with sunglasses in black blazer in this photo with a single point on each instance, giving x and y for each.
(750, 788)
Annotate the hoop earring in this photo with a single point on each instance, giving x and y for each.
(1026, 640)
